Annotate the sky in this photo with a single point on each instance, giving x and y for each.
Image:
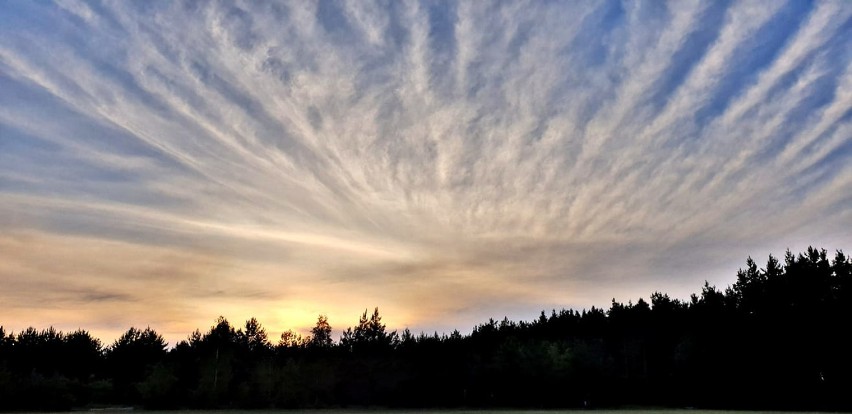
(166, 162)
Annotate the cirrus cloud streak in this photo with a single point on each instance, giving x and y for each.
(163, 162)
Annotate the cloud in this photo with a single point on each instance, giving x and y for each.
(446, 162)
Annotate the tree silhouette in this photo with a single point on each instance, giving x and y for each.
(292, 340)
(131, 358)
(254, 337)
(321, 333)
(82, 355)
(369, 334)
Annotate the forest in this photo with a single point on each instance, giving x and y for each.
(776, 339)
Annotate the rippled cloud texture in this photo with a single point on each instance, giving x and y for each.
(162, 163)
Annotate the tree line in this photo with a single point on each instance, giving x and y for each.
(775, 339)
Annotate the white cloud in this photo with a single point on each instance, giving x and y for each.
(531, 155)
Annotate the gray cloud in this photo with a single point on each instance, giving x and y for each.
(442, 162)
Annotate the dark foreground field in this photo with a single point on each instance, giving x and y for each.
(383, 411)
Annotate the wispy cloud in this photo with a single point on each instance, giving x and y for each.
(161, 163)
